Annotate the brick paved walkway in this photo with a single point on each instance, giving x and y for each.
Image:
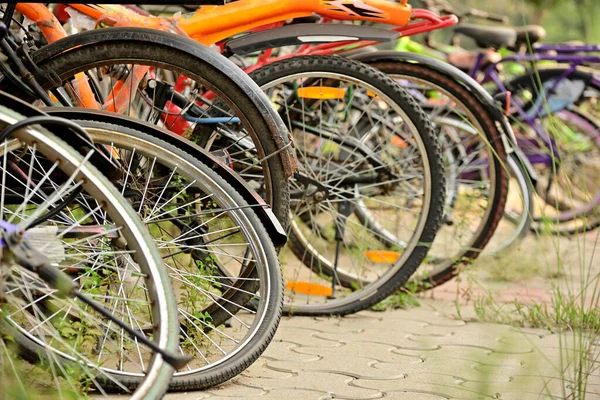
(420, 353)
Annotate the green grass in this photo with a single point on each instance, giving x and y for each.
(403, 299)
(24, 381)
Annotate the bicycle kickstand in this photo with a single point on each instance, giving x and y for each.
(345, 208)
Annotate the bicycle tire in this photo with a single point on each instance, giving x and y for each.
(402, 271)
(209, 181)
(491, 135)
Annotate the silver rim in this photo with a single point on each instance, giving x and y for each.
(309, 245)
(136, 263)
(228, 342)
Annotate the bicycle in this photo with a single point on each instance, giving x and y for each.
(211, 238)
(476, 240)
(420, 254)
(67, 239)
(456, 96)
(557, 98)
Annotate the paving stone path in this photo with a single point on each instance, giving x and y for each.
(420, 353)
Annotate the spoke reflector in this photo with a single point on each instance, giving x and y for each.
(371, 94)
(321, 93)
(400, 142)
(311, 289)
(115, 152)
(382, 256)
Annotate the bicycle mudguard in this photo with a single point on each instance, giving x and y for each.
(262, 209)
(18, 105)
(485, 98)
(299, 34)
(278, 130)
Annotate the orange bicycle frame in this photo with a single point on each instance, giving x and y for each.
(212, 24)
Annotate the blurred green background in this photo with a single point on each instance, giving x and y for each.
(563, 19)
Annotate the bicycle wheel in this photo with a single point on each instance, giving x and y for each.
(518, 213)
(568, 198)
(89, 236)
(475, 165)
(566, 155)
(362, 143)
(217, 252)
(175, 89)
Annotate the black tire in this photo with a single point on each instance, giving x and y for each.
(270, 308)
(399, 274)
(492, 136)
(257, 122)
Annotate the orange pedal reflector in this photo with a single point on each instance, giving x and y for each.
(311, 289)
(382, 256)
(321, 93)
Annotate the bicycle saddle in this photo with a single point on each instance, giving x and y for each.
(528, 34)
(489, 36)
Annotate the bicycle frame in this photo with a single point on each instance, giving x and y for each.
(491, 74)
(565, 48)
(211, 24)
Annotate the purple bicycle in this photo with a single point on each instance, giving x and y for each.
(553, 110)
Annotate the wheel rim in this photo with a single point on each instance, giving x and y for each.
(276, 89)
(229, 341)
(58, 337)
